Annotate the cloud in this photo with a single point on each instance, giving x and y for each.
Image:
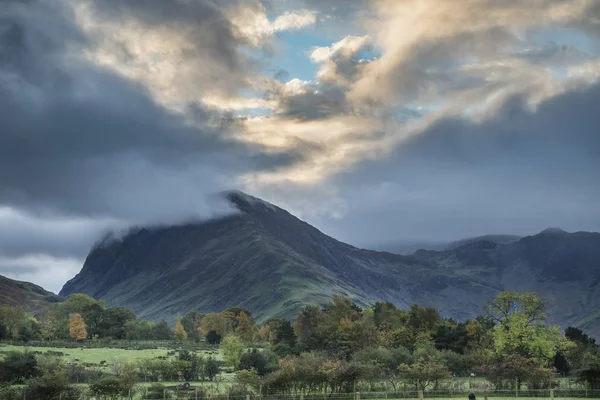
(420, 119)
(90, 138)
(339, 61)
(252, 23)
(425, 43)
(517, 172)
(48, 271)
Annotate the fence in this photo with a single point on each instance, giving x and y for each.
(549, 394)
(145, 393)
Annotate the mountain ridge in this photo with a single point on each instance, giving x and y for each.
(271, 262)
(25, 294)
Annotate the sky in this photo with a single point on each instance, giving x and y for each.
(377, 121)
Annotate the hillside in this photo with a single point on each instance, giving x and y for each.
(28, 295)
(562, 267)
(262, 258)
(267, 260)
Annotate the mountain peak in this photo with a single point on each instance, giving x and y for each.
(245, 202)
(553, 231)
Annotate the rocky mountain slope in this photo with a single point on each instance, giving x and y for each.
(267, 260)
(31, 297)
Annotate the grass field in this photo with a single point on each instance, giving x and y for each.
(110, 355)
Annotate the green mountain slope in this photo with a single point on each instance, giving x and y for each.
(31, 297)
(267, 260)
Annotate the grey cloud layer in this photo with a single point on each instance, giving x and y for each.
(84, 149)
(82, 139)
(518, 172)
(102, 123)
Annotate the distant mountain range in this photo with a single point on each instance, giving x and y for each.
(408, 248)
(269, 261)
(27, 295)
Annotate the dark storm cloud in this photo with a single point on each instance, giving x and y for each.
(518, 172)
(77, 138)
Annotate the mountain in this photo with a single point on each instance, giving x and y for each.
(265, 259)
(562, 267)
(408, 248)
(262, 258)
(25, 294)
(499, 239)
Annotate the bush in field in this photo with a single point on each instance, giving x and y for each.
(211, 368)
(112, 388)
(51, 386)
(17, 366)
(155, 391)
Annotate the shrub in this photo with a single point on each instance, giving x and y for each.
(17, 366)
(112, 388)
(155, 391)
(51, 386)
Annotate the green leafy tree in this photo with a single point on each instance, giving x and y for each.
(232, 349)
(424, 373)
(162, 331)
(248, 379)
(212, 368)
(283, 337)
(13, 319)
(521, 339)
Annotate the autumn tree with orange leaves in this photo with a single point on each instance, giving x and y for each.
(77, 328)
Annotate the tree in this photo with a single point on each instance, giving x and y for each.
(425, 372)
(246, 329)
(162, 331)
(248, 379)
(180, 332)
(77, 328)
(191, 323)
(217, 322)
(263, 362)
(212, 337)
(283, 337)
(523, 345)
(13, 319)
(211, 368)
(232, 350)
(114, 321)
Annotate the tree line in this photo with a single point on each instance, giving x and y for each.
(340, 345)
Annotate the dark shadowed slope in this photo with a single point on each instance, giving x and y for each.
(269, 261)
(31, 297)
